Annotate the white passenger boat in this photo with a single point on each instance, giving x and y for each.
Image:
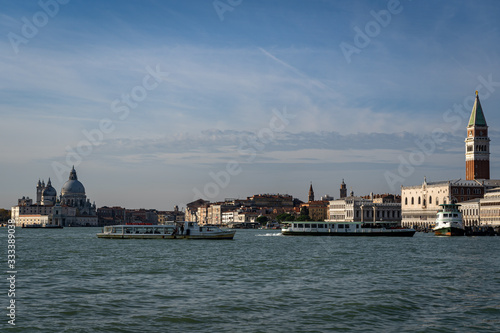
(310, 228)
(178, 230)
(449, 221)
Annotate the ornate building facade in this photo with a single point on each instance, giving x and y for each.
(420, 203)
(71, 208)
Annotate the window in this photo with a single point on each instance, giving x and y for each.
(301, 225)
(468, 191)
(419, 200)
(430, 200)
(437, 201)
(412, 201)
(406, 201)
(340, 226)
(314, 225)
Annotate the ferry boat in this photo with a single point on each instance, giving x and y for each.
(449, 221)
(310, 228)
(179, 230)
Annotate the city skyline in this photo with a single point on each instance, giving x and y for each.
(159, 103)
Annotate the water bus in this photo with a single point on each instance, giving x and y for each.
(310, 228)
(175, 230)
(449, 221)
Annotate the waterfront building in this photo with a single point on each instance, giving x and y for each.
(191, 214)
(357, 209)
(490, 208)
(35, 219)
(111, 215)
(71, 208)
(272, 200)
(170, 216)
(470, 210)
(318, 210)
(420, 203)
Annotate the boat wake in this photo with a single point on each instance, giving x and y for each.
(270, 234)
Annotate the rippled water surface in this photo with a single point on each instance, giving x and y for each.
(69, 280)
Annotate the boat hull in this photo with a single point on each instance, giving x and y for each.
(367, 233)
(229, 235)
(449, 231)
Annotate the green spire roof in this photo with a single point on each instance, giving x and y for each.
(477, 115)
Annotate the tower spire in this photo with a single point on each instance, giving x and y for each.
(477, 116)
(477, 144)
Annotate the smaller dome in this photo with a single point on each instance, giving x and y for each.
(49, 191)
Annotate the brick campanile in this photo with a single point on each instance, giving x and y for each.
(477, 145)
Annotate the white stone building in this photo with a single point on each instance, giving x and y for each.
(359, 209)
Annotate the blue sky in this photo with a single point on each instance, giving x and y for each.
(249, 97)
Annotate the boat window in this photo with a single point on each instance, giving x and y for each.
(455, 215)
(301, 225)
(445, 215)
(314, 225)
(340, 226)
(357, 226)
(321, 225)
(295, 225)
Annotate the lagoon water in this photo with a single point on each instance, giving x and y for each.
(70, 281)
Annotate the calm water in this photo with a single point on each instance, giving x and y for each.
(69, 280)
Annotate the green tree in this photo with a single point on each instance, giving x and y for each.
(285, 217)
(304, 211)
(303, 218)
(4, 215)
(262, 219)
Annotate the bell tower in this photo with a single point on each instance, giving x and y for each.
(311, 193)
(343, 190)
(477, 145)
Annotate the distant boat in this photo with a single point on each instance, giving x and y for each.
(310, 228)
(449, 221)
(175, 230)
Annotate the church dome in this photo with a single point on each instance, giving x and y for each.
(49, 191)
(73, 185)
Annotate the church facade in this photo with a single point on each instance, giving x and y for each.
(71, 208)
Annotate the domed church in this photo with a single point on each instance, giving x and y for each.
(72, 208)
(73, 195)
